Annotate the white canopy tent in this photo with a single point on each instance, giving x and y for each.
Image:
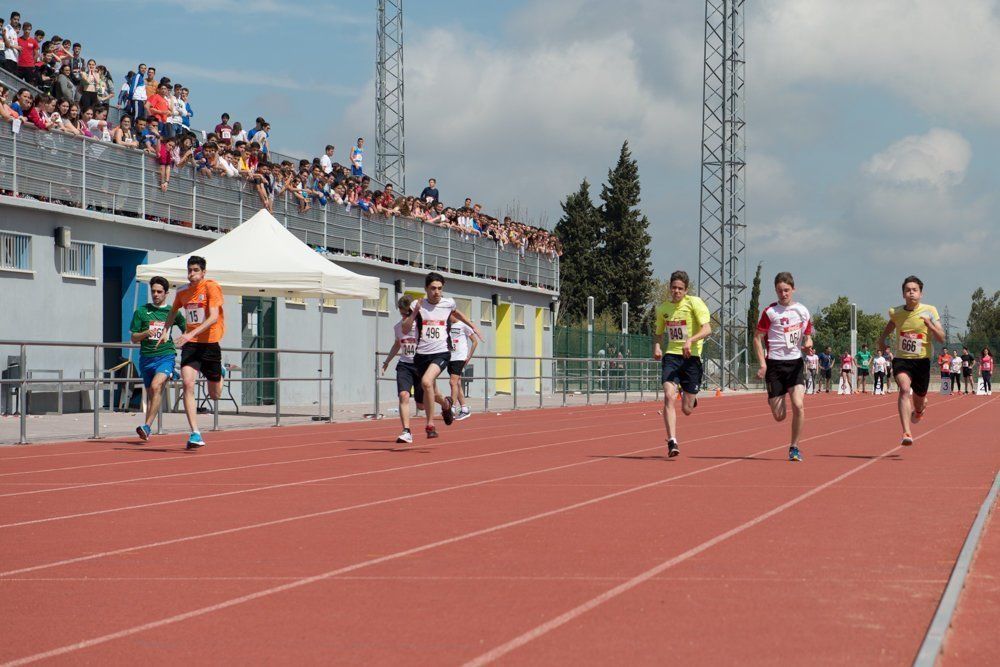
(261, 258)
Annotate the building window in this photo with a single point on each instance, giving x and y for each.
(330, 303)
(546, 318)
(486, 311)
(465, 306)
(294, 301)
(519, 316)
(381, 303)
(78, 260)
(15, 251)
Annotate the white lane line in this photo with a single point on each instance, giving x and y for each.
(639, 579)
(70, 648)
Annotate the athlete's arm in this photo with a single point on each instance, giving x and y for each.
(704, 332)
(165, 336)
(472, 350)
(392, 353)
(758, 347)
(460, 316)
(657, 343)
(188, 336)
(890, 325)
(935, 328)
(408, 321)
(809, 342)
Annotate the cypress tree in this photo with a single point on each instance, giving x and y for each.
(626, 266)
(753, 312)
(579, 230)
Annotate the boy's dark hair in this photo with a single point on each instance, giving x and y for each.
(784, 277)
(433, 276)
(404, 301)
(195, 260)
(914, 279)
(161, 281)
(329, 147)
(681, 276)
(225, 115)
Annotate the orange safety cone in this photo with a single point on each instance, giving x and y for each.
(718, 392)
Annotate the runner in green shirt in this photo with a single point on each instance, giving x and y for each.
(864, 360)
(156, 361)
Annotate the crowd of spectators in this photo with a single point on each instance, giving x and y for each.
(77, 94)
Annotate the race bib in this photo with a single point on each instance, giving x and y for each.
(792, 337)
(435, 332)
(676, 331)
(911, 343)
(194, 314)
(408, 347)
(156, 330)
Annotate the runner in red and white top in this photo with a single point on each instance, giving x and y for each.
(407, 379)
(785, 327)
(846, 366)
(433, 350)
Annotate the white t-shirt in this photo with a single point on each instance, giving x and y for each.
(10, 34)
(880, 365)
(460, 333)
(407, 342)
(813, 361)
(326, 163)
(434, 326)
(787, 327)
(956, 364)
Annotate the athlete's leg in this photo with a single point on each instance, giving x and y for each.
(404, 408)
(428, 382)
(189, 378)
(155, 397)
(778, 409)
(669, 411)
(907, 401)
(797, 398)
(687, 403)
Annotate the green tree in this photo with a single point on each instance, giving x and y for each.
(983, 324)
(753, 312)
(579, 230)
(626, 266)
(833, 326)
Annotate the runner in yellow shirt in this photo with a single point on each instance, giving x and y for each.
(915, 323)
(686, 322)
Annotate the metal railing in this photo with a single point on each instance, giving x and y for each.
(102, 177)
(591, 377)
(101, 382)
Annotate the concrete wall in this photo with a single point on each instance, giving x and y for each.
(47, 306)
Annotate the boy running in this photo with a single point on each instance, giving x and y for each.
(202, 303)
(864, 359)
(914, 323)
(460, 334)
(686, 321)
(433, 355)
(785, 327)
(156, 362)
(846, 362)
(407, 379)
(826, 367)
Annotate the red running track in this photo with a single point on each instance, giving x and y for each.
(533, 537)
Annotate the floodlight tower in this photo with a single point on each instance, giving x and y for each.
(390, 138)
(722, 236)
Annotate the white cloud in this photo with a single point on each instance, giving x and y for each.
(939, 158)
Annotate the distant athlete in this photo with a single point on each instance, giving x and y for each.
(686, 322)
(986, 370)
(826, 367)
(888, 374)
(407, 378)
(880, 367)
(956, 373)
(156, 360)
(915, 323)
(812, 367)
(846, 365)
(864, 359)
(433, 355)
(202, 303)
(461, 335)
(785, 327)
(968, 361)
(944, 364)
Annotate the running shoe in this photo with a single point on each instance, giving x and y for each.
(431, 432)
(195, 441)
(405, 436)
(672, 448)
(907, 440)
(144, 432)
(916, 416)
(464, 413)
(794, 454)
(447, 413)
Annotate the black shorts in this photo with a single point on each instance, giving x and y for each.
(685, 372)
(424, 361)
(205, 358)
(456, 367)
(862, 372)
(919, 371)
(783, 374)
(826, 373)
(967, 372)
(408, 380)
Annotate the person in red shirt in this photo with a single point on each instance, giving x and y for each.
(986, 371)
(201, 301)
(944, 362)
(846, 364)
(223, 131)
(28, 56)
(157, 107)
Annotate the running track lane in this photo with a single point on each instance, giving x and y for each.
(973, 638)
(543, 565)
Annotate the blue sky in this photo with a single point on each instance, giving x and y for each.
(872, 123)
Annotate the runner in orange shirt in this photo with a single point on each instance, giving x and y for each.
(201, 302)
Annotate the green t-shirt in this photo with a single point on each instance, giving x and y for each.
(864, 359)
(151, 318)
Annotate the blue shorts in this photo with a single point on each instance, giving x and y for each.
(149, 367)
(356, 171)
(685, 372)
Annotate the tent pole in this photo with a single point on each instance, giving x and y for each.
(319, 395)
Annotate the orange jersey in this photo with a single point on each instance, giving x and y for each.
(944, 361)
(195, 302)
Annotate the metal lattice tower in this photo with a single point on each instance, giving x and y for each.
(390, 138)
(722, 237)
(946, 320)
